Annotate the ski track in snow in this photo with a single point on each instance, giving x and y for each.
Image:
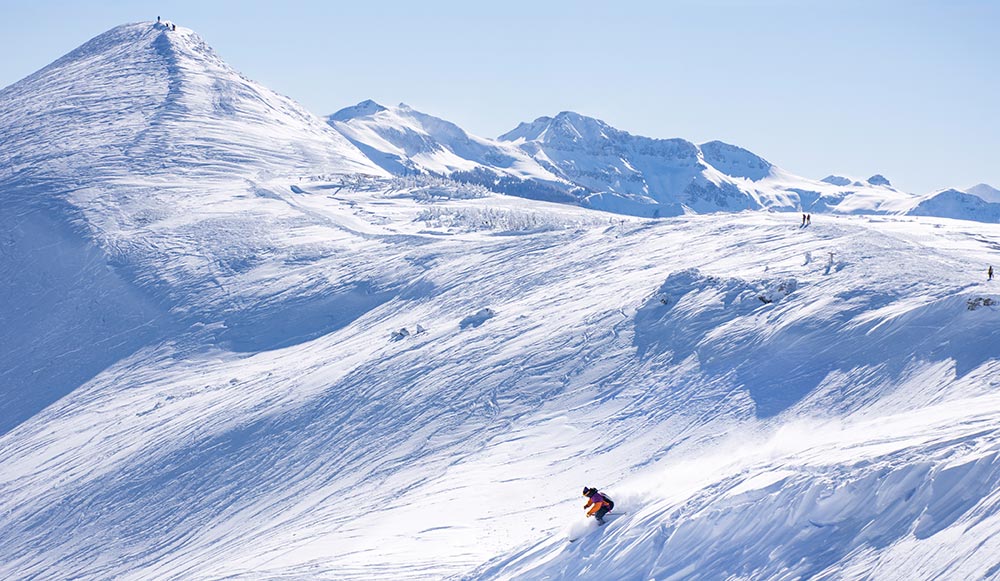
(204, 382)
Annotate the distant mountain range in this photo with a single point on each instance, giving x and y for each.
(579, 159)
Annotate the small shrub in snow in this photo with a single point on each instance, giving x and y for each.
(495, 219)
(355, 182)
(431, 188)
(977, 302)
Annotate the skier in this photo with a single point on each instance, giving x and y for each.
(598, 503)
(989, 273)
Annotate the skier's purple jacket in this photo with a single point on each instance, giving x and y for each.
(597, 500)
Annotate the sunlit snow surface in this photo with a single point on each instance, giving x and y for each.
(321, 448)
(204, 373)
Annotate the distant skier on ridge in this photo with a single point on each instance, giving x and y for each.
(989, 273)
(600, 502)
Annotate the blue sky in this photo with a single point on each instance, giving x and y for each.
(907, 89)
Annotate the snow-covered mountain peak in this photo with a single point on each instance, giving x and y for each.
(150, 98)
(161, 156)
(635, 174)
(954, 203)
(403, 141)
(735, 161)
(527, 131)
(580, 127)
(132, 35)
(362, 109)
(985, 192)
(575, 158)
(567, 129)
(879, 180)
(836, 180)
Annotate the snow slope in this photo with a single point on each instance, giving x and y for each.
(353, 455)
(909, 496)
(229, 393)
(124, 150)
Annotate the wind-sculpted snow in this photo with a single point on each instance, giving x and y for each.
(65, 315)
(205, 373)
(901, 497)
(347, 453)
(772, 335)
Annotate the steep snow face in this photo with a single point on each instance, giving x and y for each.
(117, 161)
(735, 161)
(405, 141)
(66, 316)
(60, 119)
(145, 129)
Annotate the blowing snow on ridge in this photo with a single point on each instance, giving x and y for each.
(240, 341)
